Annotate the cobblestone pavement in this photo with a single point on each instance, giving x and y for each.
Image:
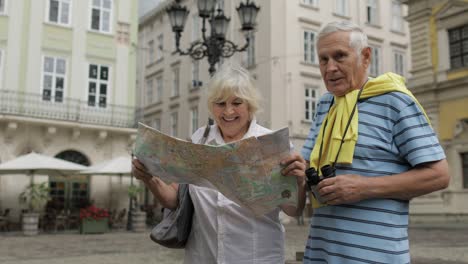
(430, 245)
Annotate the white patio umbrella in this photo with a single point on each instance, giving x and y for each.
(120, 166)
(38, 163)
(34, 163)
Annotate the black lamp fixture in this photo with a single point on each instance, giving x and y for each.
(215, 45)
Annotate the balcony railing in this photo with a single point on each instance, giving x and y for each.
(72, 110)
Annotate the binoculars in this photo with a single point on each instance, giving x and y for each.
(312, 178)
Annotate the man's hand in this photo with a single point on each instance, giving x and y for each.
(294, 165)
(343, 189)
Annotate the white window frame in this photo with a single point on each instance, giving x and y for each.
(313, 3)
(159, 89)
(175, 82)
(159, 47)
(54, 75)
(2, 58)
(174, 123)
(397, 16)
(3, 7)
(102, 10)
(61, 3)
(149, 91)
(157, 123)
(341, 7)
(99, 82)
(151, 56)
(195, 73)
(372, 12)
(309, 41)
(311, 97)
(376, 59)
(194, 119)
(399, 62)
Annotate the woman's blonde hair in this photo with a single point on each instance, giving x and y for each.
(233, 80)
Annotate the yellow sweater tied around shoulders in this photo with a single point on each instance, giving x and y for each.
(339, 114)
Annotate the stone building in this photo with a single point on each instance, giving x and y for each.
(439, 79)
(281, 58)
(67, 90)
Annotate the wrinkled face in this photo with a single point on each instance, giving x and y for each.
(341, 68)
(232, 117)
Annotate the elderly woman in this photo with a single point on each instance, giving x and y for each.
(222, 231)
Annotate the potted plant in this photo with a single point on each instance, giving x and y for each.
(93, 220)
(35, 196)
(137, 218)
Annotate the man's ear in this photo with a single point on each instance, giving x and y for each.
(366, 56)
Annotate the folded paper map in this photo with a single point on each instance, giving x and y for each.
(246, 171)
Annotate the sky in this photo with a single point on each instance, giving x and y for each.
(146, 5)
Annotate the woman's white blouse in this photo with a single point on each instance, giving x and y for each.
(225, 233)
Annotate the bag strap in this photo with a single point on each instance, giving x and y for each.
(206, 132)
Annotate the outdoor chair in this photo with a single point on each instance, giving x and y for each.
(60, 221)
(4, 221)
(119, 222)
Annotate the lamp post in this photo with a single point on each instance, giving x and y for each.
(215, 45)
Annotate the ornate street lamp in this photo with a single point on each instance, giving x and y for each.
(215, 45)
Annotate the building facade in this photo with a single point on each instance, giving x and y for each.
(439, 52)
(281, 58)
(67, 89)
(283, 61)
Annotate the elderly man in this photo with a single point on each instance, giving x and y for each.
(379, 139)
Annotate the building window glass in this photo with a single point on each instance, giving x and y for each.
(372, 12)
(157, 124)
(174, 120)
(160, 47)
(98, 85)
(464, 157)
(250, 54)
(374, 69)
(149, 91)
(311, 94)
(159, 89)
(150, 51)
(311, 2)
(194, 119)
(458, 42)
(196, 73)
(399, 62)
(309, 47)
(3, 5)
(53, 78)
(101, 14)
(59, 12)
(341, 7)
(175, 82)
(397, 16)
(1, 67)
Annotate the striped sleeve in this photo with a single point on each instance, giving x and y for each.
(415, 138)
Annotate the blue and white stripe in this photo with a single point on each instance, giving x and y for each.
(393, 137)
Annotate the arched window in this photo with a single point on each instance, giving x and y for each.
(73, 156)
(70, 192)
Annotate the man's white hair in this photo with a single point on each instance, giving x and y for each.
(357, 38)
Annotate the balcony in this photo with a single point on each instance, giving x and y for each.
(71, 110)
